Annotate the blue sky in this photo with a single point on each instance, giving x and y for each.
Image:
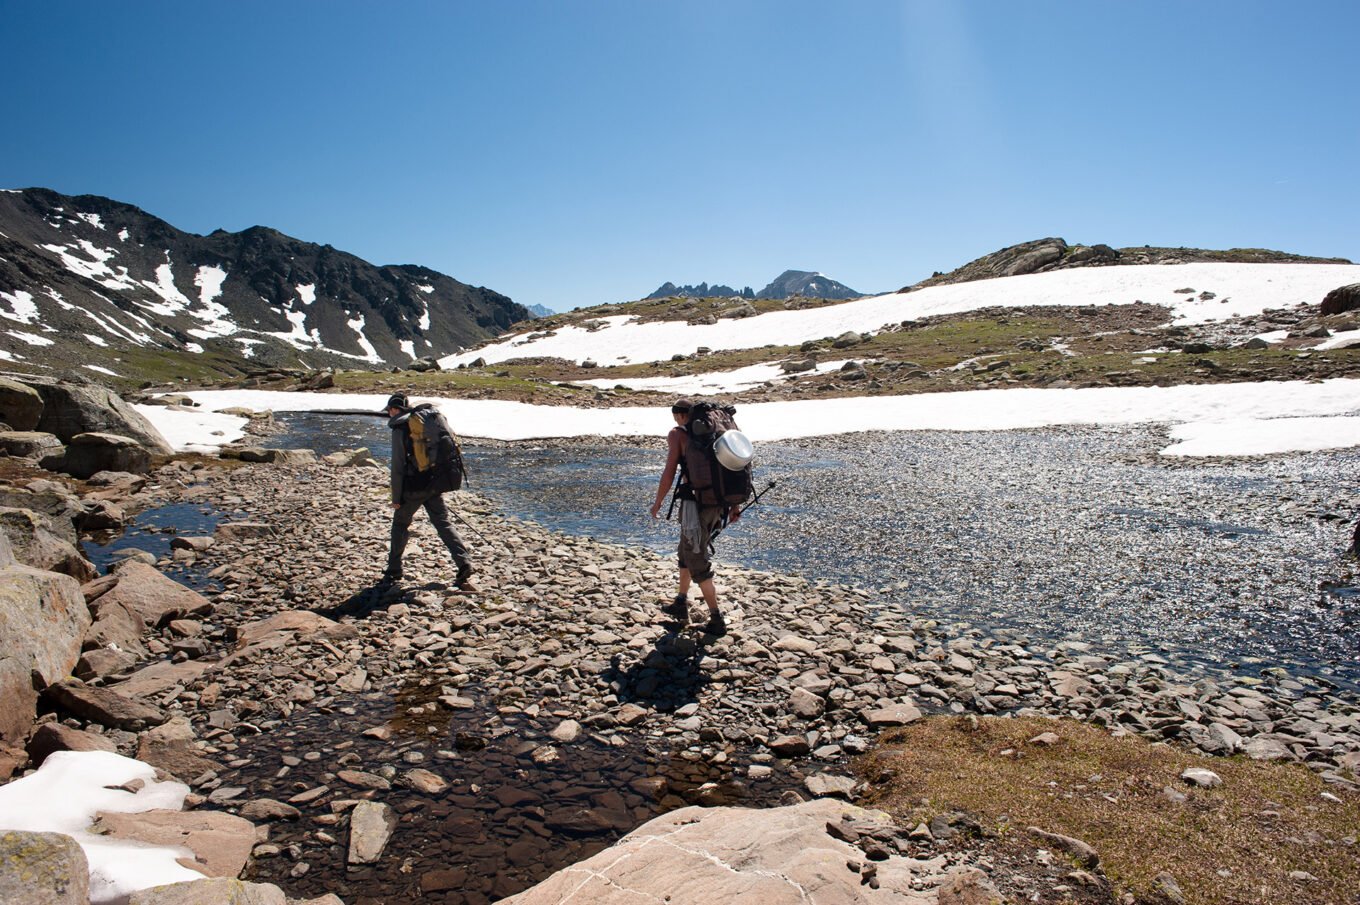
(573, 153)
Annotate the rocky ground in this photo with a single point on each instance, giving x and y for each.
(473, 743)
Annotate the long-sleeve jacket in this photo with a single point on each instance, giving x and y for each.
(400, 433)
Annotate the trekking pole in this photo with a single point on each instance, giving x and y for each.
(469, 527)
(742, 511)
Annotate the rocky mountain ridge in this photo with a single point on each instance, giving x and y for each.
(788, 284)
(86, 279)
(1043, 255)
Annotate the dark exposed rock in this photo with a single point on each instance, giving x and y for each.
(1341, 299)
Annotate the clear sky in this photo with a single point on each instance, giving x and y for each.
(572, 153)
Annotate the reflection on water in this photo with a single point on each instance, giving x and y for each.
(1075, 533)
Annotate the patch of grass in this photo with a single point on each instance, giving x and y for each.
(1234, 844)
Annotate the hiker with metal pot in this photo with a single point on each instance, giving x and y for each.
(713, 459)
(426, 464)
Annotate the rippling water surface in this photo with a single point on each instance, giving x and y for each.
(1077, 533)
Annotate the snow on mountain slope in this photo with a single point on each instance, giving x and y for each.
(1236, 290)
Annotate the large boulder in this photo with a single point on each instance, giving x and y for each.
(152, 596)
(1342, 298)
(43, 869)
(53, 737)
(90, 453)
(35, 544)
(69, 410)
(29, 444)
(20, 406)
(59, 508)
(43, 618)
(775, 856)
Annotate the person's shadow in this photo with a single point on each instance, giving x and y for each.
(668, 676)
(368, 600)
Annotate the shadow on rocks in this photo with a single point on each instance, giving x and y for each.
(368, 600)
(666, 677)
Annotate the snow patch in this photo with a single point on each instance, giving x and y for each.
(409, 347)
(92, 219)
(307, 293)
(357, 325)
(22, 308)
(31, 339)
(1339, 339)
(96, 267)
(972, 410)
(425, 288)
(1242, 290)
(164, 286)
(95, 340)
(101, 370)
(123, 234)
(64, 795)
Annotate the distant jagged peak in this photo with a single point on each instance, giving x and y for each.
(790, 283)
(806, 283)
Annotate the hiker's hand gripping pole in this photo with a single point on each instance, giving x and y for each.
(740, 512)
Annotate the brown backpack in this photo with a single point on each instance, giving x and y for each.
(702, 477)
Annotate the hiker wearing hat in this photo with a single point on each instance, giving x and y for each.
(697, 525)
(426, 463)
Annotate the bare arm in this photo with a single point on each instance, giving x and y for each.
(674, 443)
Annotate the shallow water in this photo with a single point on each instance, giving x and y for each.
(152, 531)
(1073, 533)
(507, 820)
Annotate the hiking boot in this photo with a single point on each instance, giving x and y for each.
(463, 581)
(715, 626)
(679, 607)
(390, 576)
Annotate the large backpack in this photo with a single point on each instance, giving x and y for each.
(434, 459)
(703, 478)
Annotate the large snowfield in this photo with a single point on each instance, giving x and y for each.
(1204, 420)
(1238, 289)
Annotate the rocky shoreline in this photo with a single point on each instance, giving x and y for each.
(412, 743)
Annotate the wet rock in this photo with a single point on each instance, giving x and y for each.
(42, 869)
(371, 824)
(267, 809)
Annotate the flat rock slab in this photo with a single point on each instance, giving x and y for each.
(302, 622)
(221, 842)
(104, 706)
(899, 715)
(370, 826)
(43, 869)
(149, 594)
(774, 856)
(219, 891)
